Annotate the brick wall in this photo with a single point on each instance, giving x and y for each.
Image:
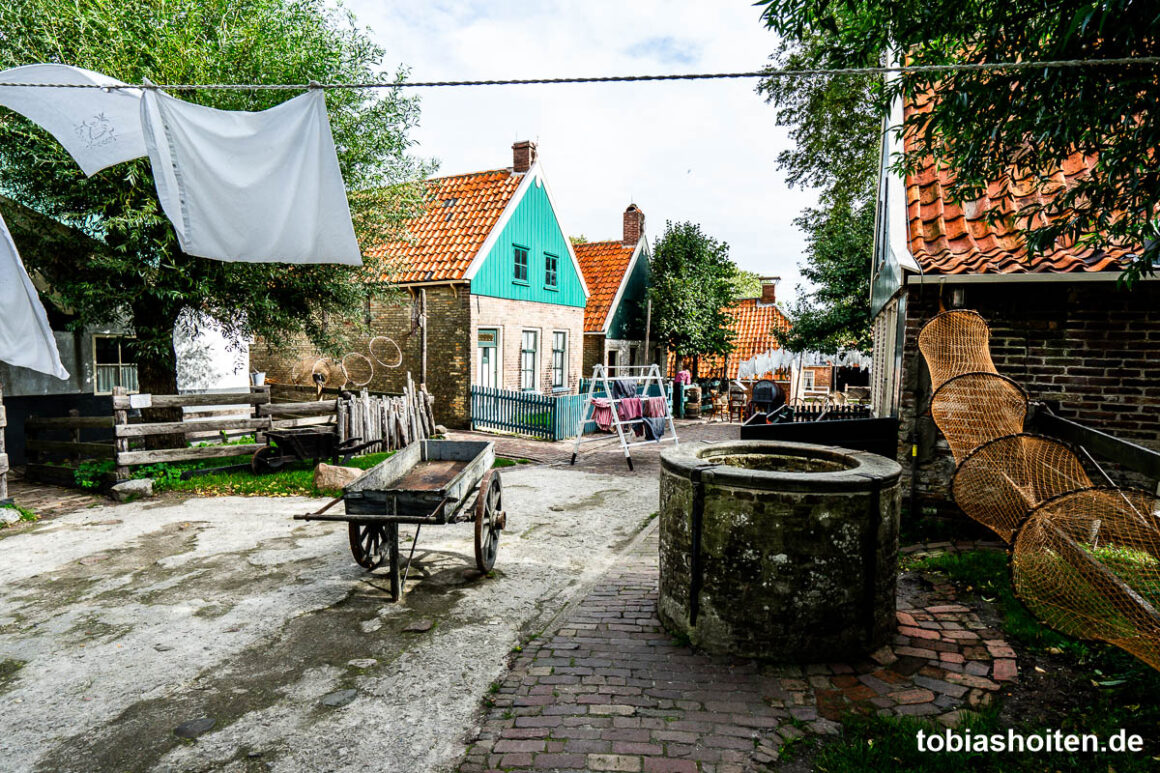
(1091, 347)
(448, 350)
(593, 353)
(511, 318)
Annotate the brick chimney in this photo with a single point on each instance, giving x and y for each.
(768, 290)
(633, 225)
(523, 155)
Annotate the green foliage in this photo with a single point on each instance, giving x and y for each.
(746, 284)
(1004, 125)
(137, 272)
(25, 515)
(836, 133)
(293, 481)
(90, 474)
(692, 287)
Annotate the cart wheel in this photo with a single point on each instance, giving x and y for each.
(489, 520)
(266, 459)
(368, 543)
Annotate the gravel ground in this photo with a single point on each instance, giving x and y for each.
(121, 624)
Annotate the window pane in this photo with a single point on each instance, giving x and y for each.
(520, 270)
(107, 350)
(551, 263)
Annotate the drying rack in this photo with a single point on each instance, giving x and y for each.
(639, 374)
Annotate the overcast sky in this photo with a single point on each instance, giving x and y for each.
(702, 151)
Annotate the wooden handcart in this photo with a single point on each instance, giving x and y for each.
(428, 482)
(300, 444)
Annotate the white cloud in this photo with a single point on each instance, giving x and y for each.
(702, 151)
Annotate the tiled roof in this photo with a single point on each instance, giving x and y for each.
(603, 264)
(443, 240)
(946, 238)
(753, 326)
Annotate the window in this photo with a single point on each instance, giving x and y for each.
(559, 359)
(113, 364)
(520, 265)
(488, 341)
(808, 380)
(551, 263)
(611, 360)
(528, 348)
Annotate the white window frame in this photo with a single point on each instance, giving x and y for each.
(564, 361)
(498, 355)
(535, 387)
(809, 380)
(120, 364)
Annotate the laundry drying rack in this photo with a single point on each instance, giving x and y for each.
(643, 376)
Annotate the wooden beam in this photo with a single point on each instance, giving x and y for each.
(98, 450)
(190, 427)
(1123, 452)
(68, 422)
(127, 458)
(320, 408)
(122, 402)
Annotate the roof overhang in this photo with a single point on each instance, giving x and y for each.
(1040, 277)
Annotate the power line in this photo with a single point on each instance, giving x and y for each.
(766, 73)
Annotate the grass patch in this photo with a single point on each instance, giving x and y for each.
(501, 461)
(293, 482)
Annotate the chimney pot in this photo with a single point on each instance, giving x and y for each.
(633, 225)
(523, 155)
(769, 290)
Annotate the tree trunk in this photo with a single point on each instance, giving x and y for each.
(157, 369)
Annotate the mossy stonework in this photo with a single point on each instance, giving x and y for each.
(798, 549)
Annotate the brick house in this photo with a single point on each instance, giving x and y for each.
(754, 320)
(617, 274)
(1061, 326)
(494, 294)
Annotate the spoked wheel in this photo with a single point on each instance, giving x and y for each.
(266, 459)
(489, 520)
(368, 543)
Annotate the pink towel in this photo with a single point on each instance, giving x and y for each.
(629, 408)
(602, 413)
(655, 407)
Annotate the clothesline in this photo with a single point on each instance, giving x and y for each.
(781, 359)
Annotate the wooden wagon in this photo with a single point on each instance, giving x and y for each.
(428, 482)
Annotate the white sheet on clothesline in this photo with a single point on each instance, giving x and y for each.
(251, 187)
(98, 128)
(26, 340)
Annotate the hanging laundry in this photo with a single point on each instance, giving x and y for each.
(26, 340)
(629, 408)
(655, 406)
(654, 427)
(98, 127)
(251, 187)
(602, 413)
(622, 387)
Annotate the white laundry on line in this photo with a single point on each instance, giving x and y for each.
(98, 127)
(251, 187)
(26, 339)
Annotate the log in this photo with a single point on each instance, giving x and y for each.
(317, 408)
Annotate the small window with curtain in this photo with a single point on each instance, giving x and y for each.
(551, 263)
(520, 264)
(113, 364)
(528, 346)
(559, 359)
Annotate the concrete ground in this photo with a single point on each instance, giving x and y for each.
(227, 620)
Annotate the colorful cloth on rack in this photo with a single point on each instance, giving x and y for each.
(602, 413)
(655, 407)
(683, 377)
(255, 187)
(621, 387)
(653, 427)
(629, 408)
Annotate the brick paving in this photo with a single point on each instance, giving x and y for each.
(47, 501)
(607, 689)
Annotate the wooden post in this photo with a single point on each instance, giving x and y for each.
(3, 454)
(120, 444)
(647, 330)
(423, 328)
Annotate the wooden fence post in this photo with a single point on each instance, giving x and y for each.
(120, 443)
(3, 454)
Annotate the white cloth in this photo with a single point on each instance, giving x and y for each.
(252, 187)
(98, 127)
(25, 338)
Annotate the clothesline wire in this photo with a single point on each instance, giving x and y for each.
(765, 73)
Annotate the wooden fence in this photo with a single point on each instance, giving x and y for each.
(392, 421)
(526, 413)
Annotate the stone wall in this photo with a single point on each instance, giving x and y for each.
(448, 349)
(1088, 349)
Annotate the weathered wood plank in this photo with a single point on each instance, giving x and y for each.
(154, 456)
(68, 422)
(182, 401)
(190, 427)
(319, 408)
(98, 450)
(3, 463)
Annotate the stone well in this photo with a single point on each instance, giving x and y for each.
(780, 551)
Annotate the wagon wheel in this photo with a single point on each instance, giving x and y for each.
(489, 520)
(368, 543)
(266, 459)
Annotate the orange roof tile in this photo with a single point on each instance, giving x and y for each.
(462, 211)
(603, 264)
(946, 238)
(753, 326)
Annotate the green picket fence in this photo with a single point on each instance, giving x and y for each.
(526, 413)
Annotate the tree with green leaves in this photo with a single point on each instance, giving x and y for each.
(746, 284)
(1015, 124)
(140, 276)
(836, 128)
(692, 288)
